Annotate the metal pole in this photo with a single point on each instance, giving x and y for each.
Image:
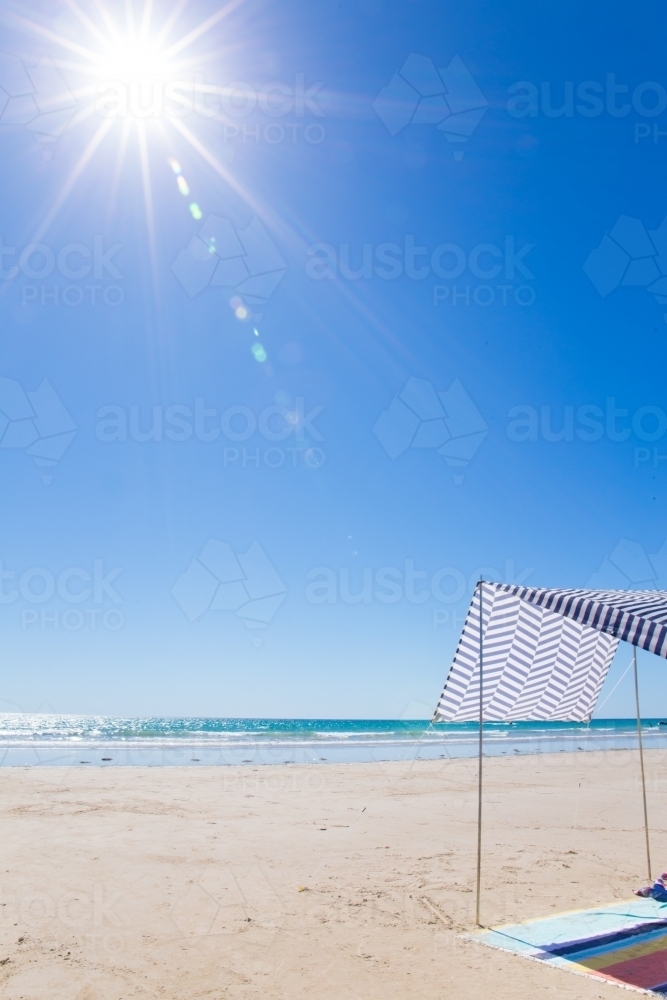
(481, 728)
(641, 761)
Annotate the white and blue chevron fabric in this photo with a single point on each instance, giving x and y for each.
(538, 663)
(636, 616)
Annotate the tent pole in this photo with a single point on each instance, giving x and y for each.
(641, 761)
(481, 728)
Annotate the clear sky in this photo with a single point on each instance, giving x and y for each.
(337, 306)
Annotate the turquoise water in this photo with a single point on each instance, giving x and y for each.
(100, 740)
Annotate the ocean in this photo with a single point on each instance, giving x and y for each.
(70, 740)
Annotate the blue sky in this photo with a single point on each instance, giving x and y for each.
(469, 247)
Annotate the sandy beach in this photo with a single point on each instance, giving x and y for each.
(315, 880)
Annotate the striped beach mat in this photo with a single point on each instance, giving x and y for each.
(624, 943)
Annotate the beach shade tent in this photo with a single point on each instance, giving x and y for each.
(535, 654)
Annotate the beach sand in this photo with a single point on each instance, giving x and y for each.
(309, 881)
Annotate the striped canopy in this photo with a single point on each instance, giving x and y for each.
(635, 616)
(546, 653)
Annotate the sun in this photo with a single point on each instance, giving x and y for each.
(135, 61)
(140, 88)
(127, 52)
(136, 80)
(139, 75)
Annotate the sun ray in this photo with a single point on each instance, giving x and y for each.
(80, 116)
(85, 20)
(118, 169)
(108, 20)
(147, 13)
(76, 172)
(38, 29)
(85, 69)
(192, 61)
(80, 93)
(217, 166)
(148, 204)
(129, 20)
(229, 178)
(163, 134)
(170, 22)
(197, 32)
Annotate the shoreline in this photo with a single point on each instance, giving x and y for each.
(321, 762)
(193, 753)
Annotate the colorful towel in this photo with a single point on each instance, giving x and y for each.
(625, 943)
